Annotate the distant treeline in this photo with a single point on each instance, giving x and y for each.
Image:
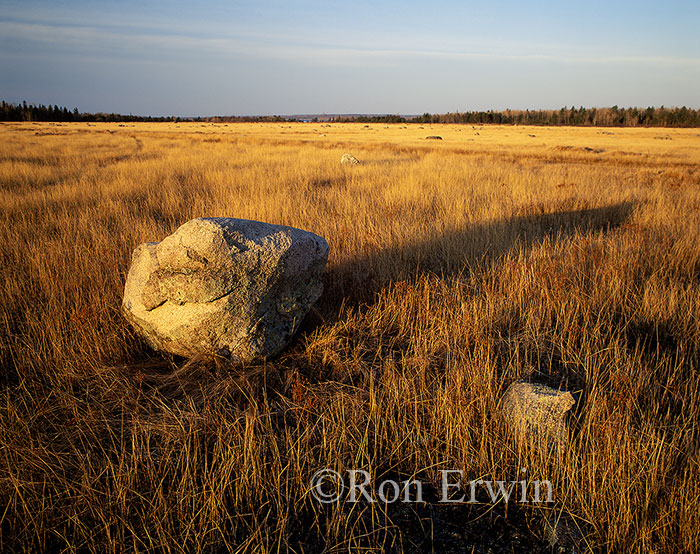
(593, 117)
(32, 112)
(243, 119)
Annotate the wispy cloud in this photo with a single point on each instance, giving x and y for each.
(110, 41)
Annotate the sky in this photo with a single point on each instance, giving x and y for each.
(310, 57)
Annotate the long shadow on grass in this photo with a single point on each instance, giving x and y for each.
(455, 251)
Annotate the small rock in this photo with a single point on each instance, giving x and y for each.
(433, 137)
(537, 412)
(224, 286)
(349, 159)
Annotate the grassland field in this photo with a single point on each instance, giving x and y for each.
(566, 256)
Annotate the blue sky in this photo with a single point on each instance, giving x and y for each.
(220, 58)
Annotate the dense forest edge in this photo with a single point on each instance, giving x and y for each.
(580, 117)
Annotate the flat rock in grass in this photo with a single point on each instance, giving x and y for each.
(224, 286)
(349, 159)
(537, 412)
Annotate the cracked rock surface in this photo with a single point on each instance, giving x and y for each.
(224, 286)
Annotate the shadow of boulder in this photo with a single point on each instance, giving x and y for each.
(455, 250)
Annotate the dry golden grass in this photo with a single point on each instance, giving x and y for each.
(570, 257)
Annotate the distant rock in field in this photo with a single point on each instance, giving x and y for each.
(433, 137)
(224, 286)
(349, 159)
(537, 412)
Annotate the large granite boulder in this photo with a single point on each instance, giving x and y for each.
(224, 286)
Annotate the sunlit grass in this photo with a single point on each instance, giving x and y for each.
(570, 257)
